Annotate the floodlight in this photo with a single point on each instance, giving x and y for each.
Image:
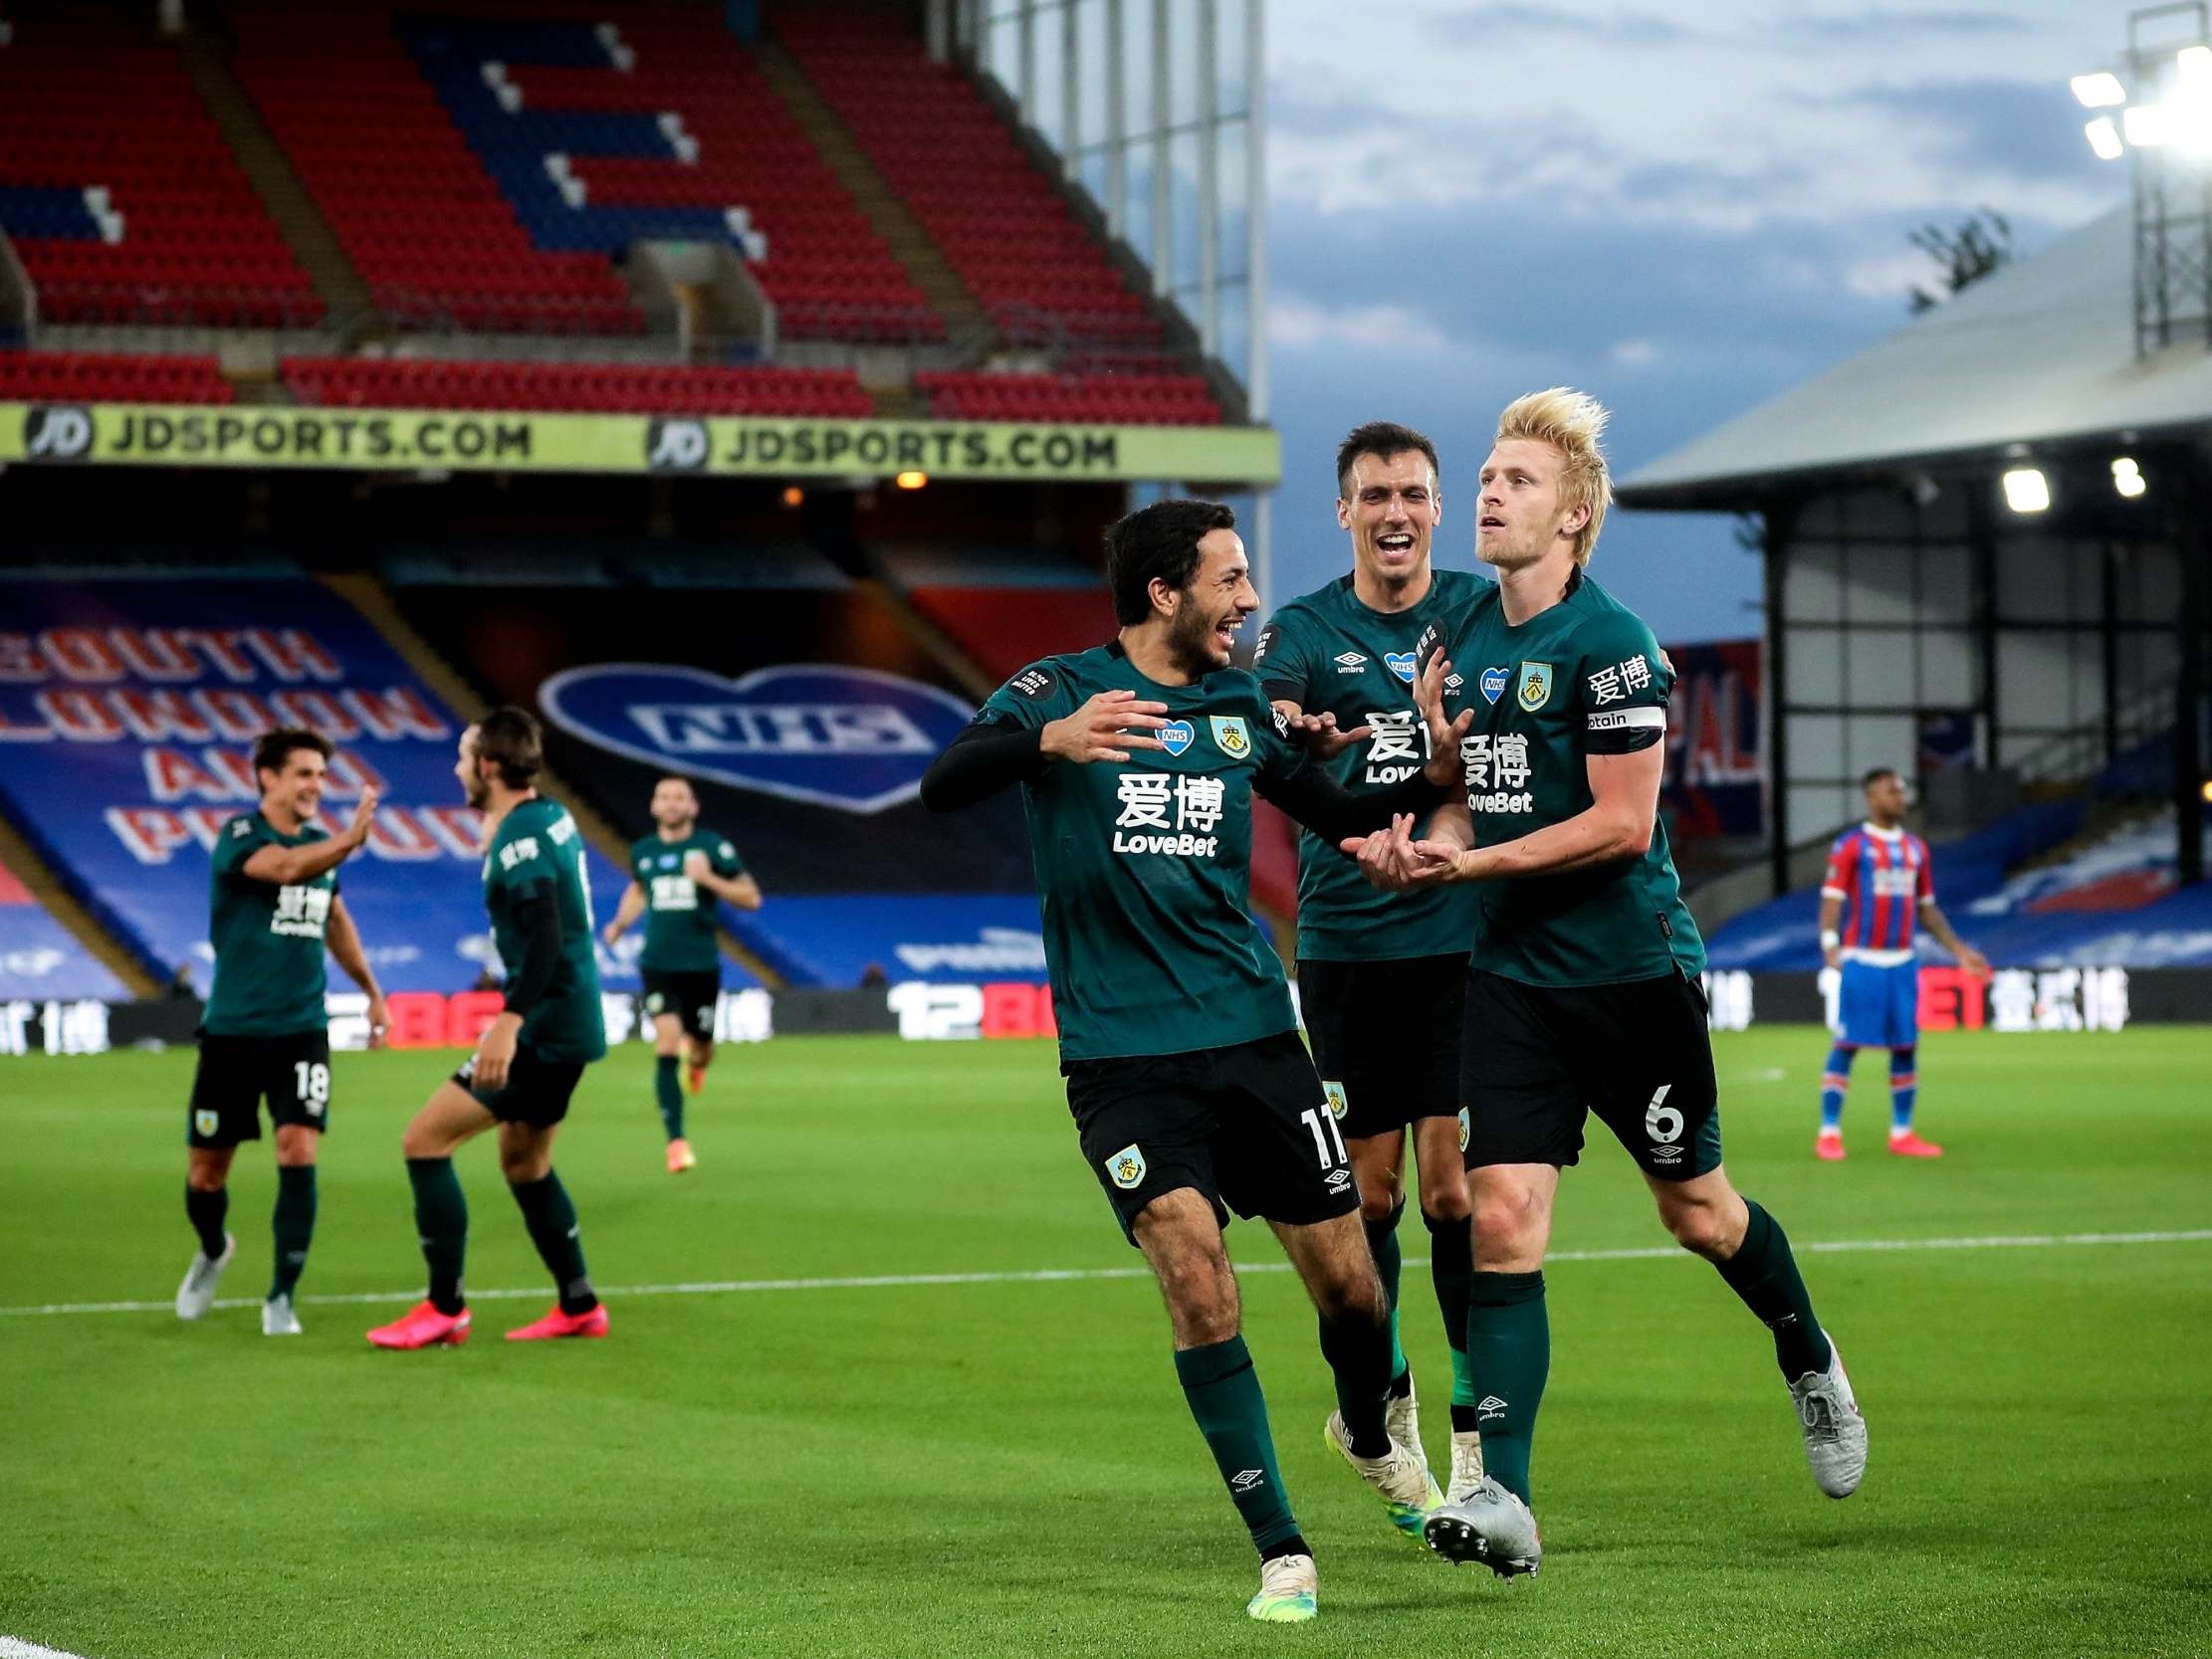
(2104, 134)
(912, 480)
(2196, 65)
(2027, 489)
(2147, 126)
(2100, 91)
(2127, 478)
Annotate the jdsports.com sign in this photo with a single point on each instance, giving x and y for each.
(370, 440)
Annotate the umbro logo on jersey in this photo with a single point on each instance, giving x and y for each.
(1452, 682)
(1350, 662)
(1492, 683)
(1176, 736)
(1400, 663)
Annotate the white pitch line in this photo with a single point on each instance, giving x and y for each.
(1060, 1275)
(11, 1648)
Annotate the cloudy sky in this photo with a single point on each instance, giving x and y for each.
(1682, 208)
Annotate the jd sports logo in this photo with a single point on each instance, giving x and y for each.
(676, 446)
(61, 432)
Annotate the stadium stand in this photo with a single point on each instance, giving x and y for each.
(520, 154)
(1001, 224)
(109, 377)
(40, 959)
(145, 696)
(1152, 399)
(424, 383)
(2113, 899)
(793, 697)
(120, 193)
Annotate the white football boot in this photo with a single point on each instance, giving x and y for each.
(197, 1294)
(1289, 1591)
(1399, 1478)
(1489, 1525)
(1467, 1465)
(1835, 1432)
(1402, 1417)
(278, 1319)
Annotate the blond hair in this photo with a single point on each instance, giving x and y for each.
(1571, 422)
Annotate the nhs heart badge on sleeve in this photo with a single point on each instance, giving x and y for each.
(855, 738)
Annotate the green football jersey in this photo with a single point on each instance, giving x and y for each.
(679, 913)
(537, 850)
(269, 970)
(1329, 653)
(1583, 678)
(1144, 866)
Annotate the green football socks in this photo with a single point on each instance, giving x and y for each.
(551, 1220)
(1382, 1240)
(1764, 1274)
(1223, 1392)
(292, 1224)
(206, 1210)
(668, 1094)
(1452, 1267)
(442, 1226)
(1508, 1360)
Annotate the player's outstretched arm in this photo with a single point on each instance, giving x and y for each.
(287, 866)
(345, 942)
(992, 755)
(627, 909)
(1318, 733)
(1393, 861)
(1617, 824)
(1936, 923)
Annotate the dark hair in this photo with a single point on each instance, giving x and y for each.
(1383, 438)
(274, 749)
(675, 777)
(509, 738)
(1157, 541)
(1876, 776)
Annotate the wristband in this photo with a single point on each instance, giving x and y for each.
(1830, 938)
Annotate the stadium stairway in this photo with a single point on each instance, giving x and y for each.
(841, 153)
(368, 596)
(305, 231)
(19, 857)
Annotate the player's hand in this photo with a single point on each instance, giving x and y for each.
(697, 864)
(1391, 860)
(1833, 955)
(1444, 769)
(611, 934)
(495, 1051)
(1106, 728)
(1320, 736)
(1974, 962)
(365, 815)
(379, 1020)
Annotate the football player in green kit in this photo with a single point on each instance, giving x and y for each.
(1380, 973)
(1583, 993)
(274, 909)
(1191, 1091)
(531, 1057)
(677, 874)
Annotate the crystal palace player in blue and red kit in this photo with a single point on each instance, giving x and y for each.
(1879, 890)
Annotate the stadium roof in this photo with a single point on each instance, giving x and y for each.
(2044, 351)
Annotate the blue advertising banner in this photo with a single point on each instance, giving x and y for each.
(128, 711)
(825, 734)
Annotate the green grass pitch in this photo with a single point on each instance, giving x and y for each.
(1007, 1468)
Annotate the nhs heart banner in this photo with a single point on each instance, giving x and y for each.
(855, 738)
(128, 711)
